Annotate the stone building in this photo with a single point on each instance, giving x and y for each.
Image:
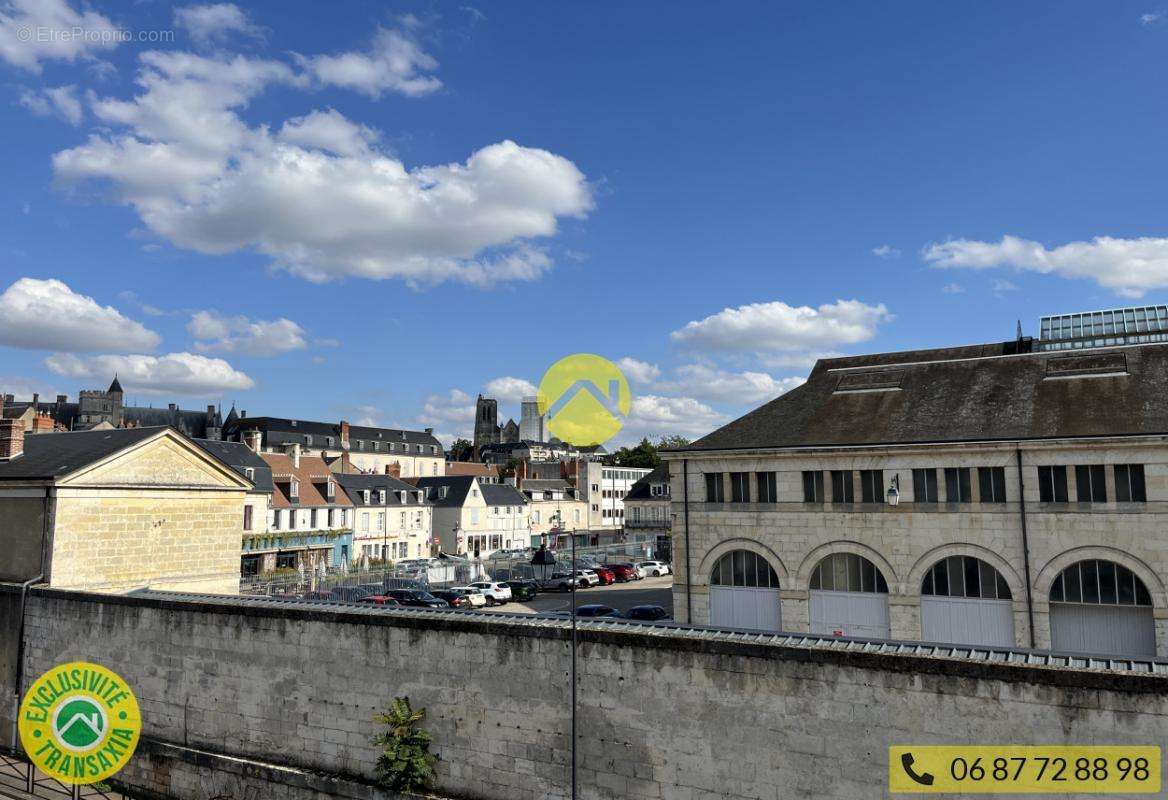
(648, 513)
(1001, 494)
(473, 516)
(115, 510)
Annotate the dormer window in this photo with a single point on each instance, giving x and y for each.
(380, 497)
(294, 488)
(442, 491)
(249, 473)
(419, 448)
(331, 489)
(365, 496)
(331, 441)
(419, 494)
(307, 440)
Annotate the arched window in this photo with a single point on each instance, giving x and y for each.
(1096, 582)
(965, 576)
(847, 572)
(744, 568)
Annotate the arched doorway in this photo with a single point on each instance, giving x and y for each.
(849, 597)
(964, 600)
(744, 592)
(1101, 607)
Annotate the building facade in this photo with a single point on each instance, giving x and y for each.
(472, 516)
(1000, 494)
(310, 521)
(392, 519)
(603, 488)
(553, 505)
(649, 513)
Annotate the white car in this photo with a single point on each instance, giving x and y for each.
(588, 575)
(496, 593)
(472, 593)
(655, 568)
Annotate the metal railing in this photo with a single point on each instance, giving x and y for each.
(19, 775)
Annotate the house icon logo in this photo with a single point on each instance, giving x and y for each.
(585, 398)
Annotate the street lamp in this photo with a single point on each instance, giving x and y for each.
(894, 490)
(557, 521)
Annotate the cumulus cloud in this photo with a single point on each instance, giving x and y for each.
(886, 251)
(48, 315)
(214, 22)
(61, 101)
(34, 31)
(453, 412)
(1151, 18)
(776, 327)
(394, 63)
(173, 373)
(706, 382)
(509, 390)
(953, 288)
(636, 371)
(241, 335)
(654, 416)
(1129, 267)
(317, 197)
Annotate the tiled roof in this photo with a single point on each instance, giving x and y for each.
(311, 473)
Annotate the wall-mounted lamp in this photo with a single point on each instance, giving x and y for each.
(894, 490)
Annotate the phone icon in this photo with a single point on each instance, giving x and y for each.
(906, 761)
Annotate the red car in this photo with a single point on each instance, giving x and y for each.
(379, 600)
(622, 572)
(606, 575)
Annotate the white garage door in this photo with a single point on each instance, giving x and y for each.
(849, 597)
(756, 609)
(1101, 608)
(744, 593)
(964, 600)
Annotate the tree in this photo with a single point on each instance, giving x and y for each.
(461, 450)
(406, 763)
(507, 470)
(669, 442)
(644, 455)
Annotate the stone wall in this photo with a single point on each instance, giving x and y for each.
(662, 715)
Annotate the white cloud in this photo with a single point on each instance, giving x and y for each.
(394, 63)
(778, 327)
(1001, 286)
(33, 31)
(705, 382)
(1151, 18)
(886, 251)
(208, 24)
(173, 373)
(24, 388)
(329, 130)
(654, 416)
(48, 315)
(639, 371)
(453, 412)
(242, 335)
(953, 288)
(60, 100)
(201, 178)
(509, 390)
(1129, 267)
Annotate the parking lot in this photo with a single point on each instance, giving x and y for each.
(621, 596)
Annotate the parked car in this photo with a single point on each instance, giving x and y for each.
(562, 582)
(647, 613)
(522, 589)
(416, 598)
(452, 599)
(496, 593)
(351, 594)
(607, 578)
(597, 610)
(655, 568)
(623, 572)
(476, 597)
(318, 596)
(588, 575)
(379, 600)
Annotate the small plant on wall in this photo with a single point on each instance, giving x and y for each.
(406, 763)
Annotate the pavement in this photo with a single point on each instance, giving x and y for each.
(621, 596)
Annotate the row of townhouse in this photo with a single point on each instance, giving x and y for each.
(1010, 494)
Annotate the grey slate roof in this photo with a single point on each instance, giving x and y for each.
(52, 455)
(280, 431)
(546, 485)
(640, 489)
(502, 494)
(494, 494)
(239, 457)
(961, 394)
(354, 483)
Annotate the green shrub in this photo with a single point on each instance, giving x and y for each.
(406, 763)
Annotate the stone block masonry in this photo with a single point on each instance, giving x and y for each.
(291, 690)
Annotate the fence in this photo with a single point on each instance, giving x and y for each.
(19, 779)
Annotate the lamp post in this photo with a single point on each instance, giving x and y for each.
(894, 490)
(557, 521)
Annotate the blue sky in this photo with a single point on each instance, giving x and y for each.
(348, 210)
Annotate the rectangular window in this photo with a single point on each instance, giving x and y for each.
(314, 519)
(1129, 483)
(991, 481)
(872, 485)
(715, 491)
(813, 486)
(842, 489)
(247, 511)
(957, 485)
(1052, 484)
(276, 520)
(767, 487)
(925, 486)
(740, 487)
(294, 488)
(1090, 481)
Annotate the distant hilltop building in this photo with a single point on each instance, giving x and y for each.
(531, 428)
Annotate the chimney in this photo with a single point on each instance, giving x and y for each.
(253, 439)
(393, 470)
(294, 454)
(36, 400)
(11, 439)
(429, 431)
(172, 406)
(62, 399)
(344, 435)
(243, 414)
(210, 411)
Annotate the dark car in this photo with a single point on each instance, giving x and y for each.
(623, 572)
(647, 613)
(379, 600)
(452, 599)
(606, 575)
(522, 590)
(327, 596)
(350, 594)
(596, 610)
(416, 598)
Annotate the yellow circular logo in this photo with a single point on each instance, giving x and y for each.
(586, 399)
(79, 723)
